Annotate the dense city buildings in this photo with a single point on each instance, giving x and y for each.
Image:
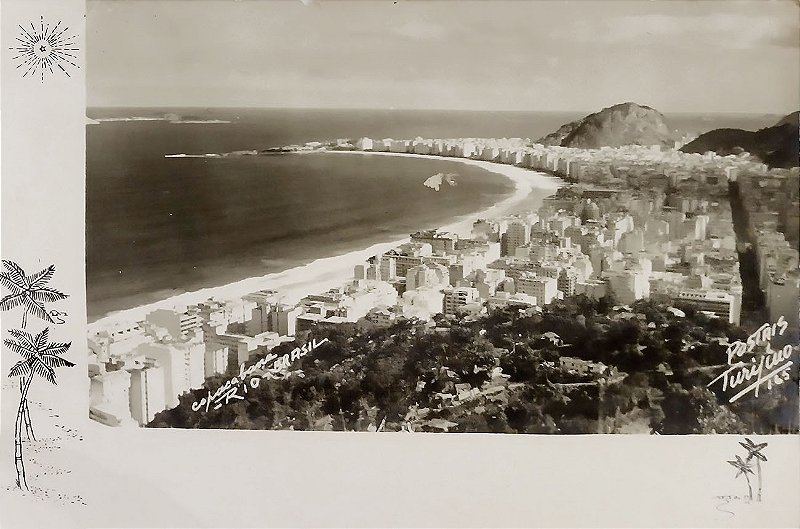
(635, 223)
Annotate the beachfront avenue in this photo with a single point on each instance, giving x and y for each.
(650, 228)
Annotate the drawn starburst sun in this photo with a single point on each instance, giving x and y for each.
(43, 49)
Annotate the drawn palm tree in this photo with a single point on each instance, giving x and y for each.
(743, 467)
(38, 358)
(754, 451)
(28, 291)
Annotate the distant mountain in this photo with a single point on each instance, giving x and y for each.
(623, 124)
(791, 119)
(776, 146)
(555, 138)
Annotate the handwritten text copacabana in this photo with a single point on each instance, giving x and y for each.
(230, 390)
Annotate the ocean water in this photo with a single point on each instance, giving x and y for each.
(157, 227)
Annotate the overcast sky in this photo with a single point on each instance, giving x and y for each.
(696, 56)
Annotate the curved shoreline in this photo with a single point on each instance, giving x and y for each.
(328, 272)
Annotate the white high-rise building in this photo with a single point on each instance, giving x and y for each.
(544, 289)
(216, 359)
(259, 320)
(628, 285)
(490, 154)
(183, 364)
(147, 392)
(466, 150)
(364, 144)
(700, 227)
(283, 320)
(427, 275)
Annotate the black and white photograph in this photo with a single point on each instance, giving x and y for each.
(400, 263)
(439, 220)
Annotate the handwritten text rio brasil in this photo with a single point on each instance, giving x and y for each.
(767, 367)
(230, 390)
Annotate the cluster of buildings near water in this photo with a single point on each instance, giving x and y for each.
(640, 222)
(772, 230)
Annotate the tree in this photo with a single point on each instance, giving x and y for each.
(754, 451)
(39, 358)
(521, 364)
(473, 423)
(28, 291)
(743, 467)
(524, 412)
(696, 411)
(577, 425)
(496, 421)
(606, 302)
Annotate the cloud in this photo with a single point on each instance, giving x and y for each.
(722, 29)
(787, 37)
(420, 30)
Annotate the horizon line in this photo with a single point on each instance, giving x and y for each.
(739, 112)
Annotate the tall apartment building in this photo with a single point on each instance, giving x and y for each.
(259, 320)
(517, 234)
(455, 298)
(628, 285)
(216, 359)
(544, 289)
(427, 275)
(364, 144)
(567, 281)
(147, 392)
(283, 320)
(183, 364)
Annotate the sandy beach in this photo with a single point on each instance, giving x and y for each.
(329, 272)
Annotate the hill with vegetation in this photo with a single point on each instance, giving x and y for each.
(511, 371)
(776, 146)
(615, 126)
